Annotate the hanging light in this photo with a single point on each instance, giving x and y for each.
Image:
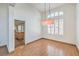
(47, 21)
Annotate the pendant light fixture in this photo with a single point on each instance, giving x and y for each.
(47, 21)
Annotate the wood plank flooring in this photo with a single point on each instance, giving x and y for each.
(3, 51)
(45, 47)
(42, 47)
(19, 42)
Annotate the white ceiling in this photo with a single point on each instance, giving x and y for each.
(41, 6)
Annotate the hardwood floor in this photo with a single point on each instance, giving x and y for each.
(3, 51)
(19, 42)
(44, 47)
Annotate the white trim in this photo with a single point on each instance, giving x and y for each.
(24, 31)
(77, 46)
(10, 50)
(3, 44)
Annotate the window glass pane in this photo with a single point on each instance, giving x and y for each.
(60, 13)
(61, 27)
(49, 16)
(56, 13)
(15, 28)
(52, 29)
(49, 29)
(19, 28)
(52, 15)
(22, 28)
(56, 27)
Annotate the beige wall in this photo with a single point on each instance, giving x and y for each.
(69, 24)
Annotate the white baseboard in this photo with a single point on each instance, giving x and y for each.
(60, 40)
(3, 44)
(32, 40)
(10, 50)
(77, 46)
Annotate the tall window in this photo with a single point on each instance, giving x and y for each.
(61, 27)
(52, 29)
(49, 29)
(57, 27)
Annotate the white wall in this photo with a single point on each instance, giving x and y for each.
(32, 19)
(3, 24)
(6, 26)
(69, 24)
(77, 25)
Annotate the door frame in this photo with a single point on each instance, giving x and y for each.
(24, 31)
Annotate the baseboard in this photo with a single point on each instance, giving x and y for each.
(77, 46)
(52, 40)
(33, 41)
(59, 41)
(3, 44)
(10, 50)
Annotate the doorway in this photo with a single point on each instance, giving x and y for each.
(19, 33)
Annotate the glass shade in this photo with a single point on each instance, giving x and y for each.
(47, 21)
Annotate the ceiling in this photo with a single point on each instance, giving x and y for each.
(41, 6)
